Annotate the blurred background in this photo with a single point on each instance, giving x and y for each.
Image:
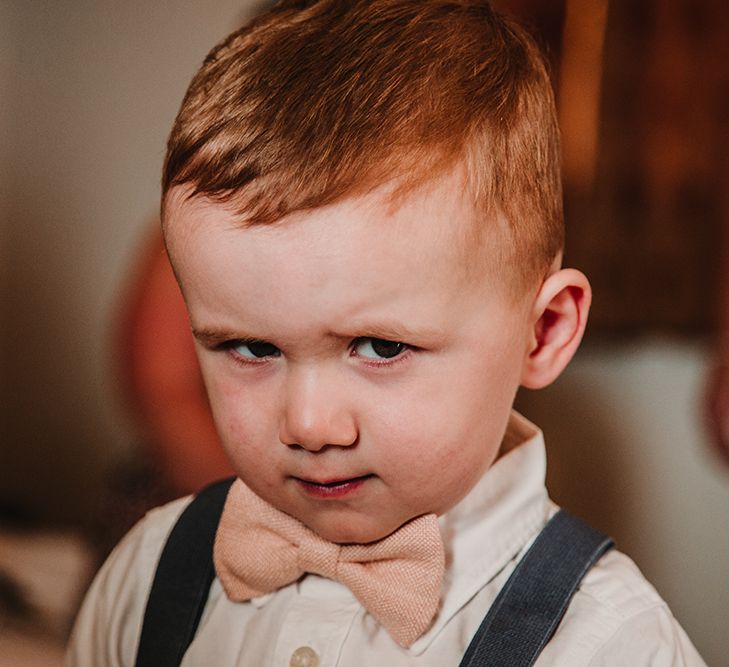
(97, 425)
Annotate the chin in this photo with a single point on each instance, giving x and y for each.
(351, 532)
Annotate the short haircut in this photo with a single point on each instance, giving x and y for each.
(315, 101)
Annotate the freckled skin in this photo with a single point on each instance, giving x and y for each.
(423, 425)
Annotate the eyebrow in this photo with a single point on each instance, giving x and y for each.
(213, 337)
(397, 331)
(394, 331)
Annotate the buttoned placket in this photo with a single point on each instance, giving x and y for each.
(316, 624)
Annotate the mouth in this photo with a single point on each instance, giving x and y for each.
(337, 488)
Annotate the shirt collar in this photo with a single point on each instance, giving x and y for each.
(493, 523)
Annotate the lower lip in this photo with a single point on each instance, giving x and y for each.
(334, 490)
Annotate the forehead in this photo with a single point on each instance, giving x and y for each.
(433, 226)
(362, 263)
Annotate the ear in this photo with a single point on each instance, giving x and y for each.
(558, 322)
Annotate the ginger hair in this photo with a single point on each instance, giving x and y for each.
(315, 101)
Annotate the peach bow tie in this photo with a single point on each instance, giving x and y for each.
(398, 579)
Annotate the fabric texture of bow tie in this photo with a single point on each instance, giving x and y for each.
(398, 579)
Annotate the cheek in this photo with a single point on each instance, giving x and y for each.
(244, 415)
(417, 431)
(440, 436)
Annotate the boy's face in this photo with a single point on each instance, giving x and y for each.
(357, 376)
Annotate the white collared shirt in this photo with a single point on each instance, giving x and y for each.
(616, 617)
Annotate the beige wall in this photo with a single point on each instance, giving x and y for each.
(95, 86)
(88, 91)
(626, 450)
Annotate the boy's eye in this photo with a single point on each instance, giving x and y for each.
(378, 348)
(255, 349)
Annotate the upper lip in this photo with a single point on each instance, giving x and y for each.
(331, 481)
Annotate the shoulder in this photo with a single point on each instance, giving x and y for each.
(616, 618)
(148, 536)
(618, 587)
(108, 626)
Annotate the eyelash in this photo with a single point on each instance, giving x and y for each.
(384, 361)
(229, 347)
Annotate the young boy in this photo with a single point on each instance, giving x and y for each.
(362, 204)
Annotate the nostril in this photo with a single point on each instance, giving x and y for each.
(293, 445)
(316, 436)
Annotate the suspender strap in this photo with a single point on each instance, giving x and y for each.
(181, 583)
(533, 601)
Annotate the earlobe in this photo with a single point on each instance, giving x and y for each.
(558, 322)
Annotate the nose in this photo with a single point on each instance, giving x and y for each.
(316, 413)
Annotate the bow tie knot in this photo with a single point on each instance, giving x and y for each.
(259, 549)
(318, 557)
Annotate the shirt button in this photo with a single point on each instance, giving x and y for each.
(304, 656)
